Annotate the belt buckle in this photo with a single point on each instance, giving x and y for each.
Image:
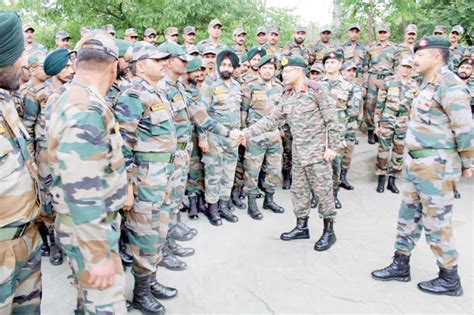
(19, 232)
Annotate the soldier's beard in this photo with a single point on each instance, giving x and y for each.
(463, 75)
(225, 75)
(299, 41)
(10, 78)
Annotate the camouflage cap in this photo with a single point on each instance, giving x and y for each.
(171, 31)
(122, 45)
(411, 28)
(354, 26)
(214, 23)
(174, 50)
(131, 32)
(383, 28)
(439, 29)
(254, 51)
(261, 29)
(209, 50)
(300, 29)
(469, 61)
(62, 35)
(317, 67)
(293, 61)
(267, 59)
(458, 29)
(325, 28)
(100, 40)
(150, 31)
(407, 61)
(189, 30)
(194, 65)
(192, 49)
(109, 28)
(274, 29)
(427, 42)
(84, 30)
(238, 31)
(28, 27)
(143, 50)
(36, 60)
(348, 65)
(333, 55)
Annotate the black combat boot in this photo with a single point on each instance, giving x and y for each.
(127, 260)
(181, 232)
(286, 179)
(225, 212)
(213, 214)
(370, 137)
(193, 209)
(398, 270)
(201, 203)
(328, 238)
(270, 204)
(457, 195)
(252, 208)
(44, 233)
(381, 184)
(143, 299)
(300, 231)
(447, 283)
(337, 202)
(391, 185)
(177, 249)
(56, 255)
(160, 291)
(314, 200)
(235, 196)
(344, 183)
(170, 261)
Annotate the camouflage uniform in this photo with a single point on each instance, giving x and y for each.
(320, 50)
(83, 135)
(440, 141)
(456, 54)
(208, 43)
(259, 101)
(20, 242)
(239, 50)
(358, 55)
(309, 113)
(392, 116)
(149, 134)
(292, 49)
(351, 126)
(36, 48)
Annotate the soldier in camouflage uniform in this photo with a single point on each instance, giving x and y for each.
(297, 48)
(149, 134)
(261, 37)
(405, 49)
(214, 29)
(323, 46)
(30, 46)
(391, 120)
(189, 37)
(440, 141)
(20, 253)
(311, 114)
(458, 51)
(381, 58)
(259, 99)
(83, 135)
(253, 55)
(239, 37)
(355, 52)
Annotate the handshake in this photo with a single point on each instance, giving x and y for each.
(237, 136)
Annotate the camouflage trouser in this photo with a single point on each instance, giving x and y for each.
(337, 162)
(267, 145)
(317, 178)
(239, 177)
(219, 170)
(393, 131)
(195, 181)
(41, 157)
(428, 204)
(287, 141)
(178, 182)
(350, 144)
(372, 91)
(147, 222)
(91, 300)
(20, 274)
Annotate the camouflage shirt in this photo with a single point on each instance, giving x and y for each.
(356, 54)
(342, 92)
(239, 50)
(34, 116)
(36, 48)
(382, 58)
(321, 49)
(456, 55)
(208, 42)
(292, 49)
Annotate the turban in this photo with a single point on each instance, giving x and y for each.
(234, 59)
(11, 38)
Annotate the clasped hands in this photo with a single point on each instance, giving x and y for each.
(238, 136)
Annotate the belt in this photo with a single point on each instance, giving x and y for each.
(423, 153)
(164, 157)
(181, 146)
(11, 233)
(395, 113)
(66, 219)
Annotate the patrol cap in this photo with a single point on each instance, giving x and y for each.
(317, 67)
(174, 50)
(333, 55)
(293, 61)
(189, 30)
(143, 50)
(300, 29)
(439, 29)
(84, 30)
(407, 61)
(102, 41)
(109, 28)
(267, 59)
(383, 28)
(274, 29)
(192, 49)
(62, 35)
(35, 60)
(209, 50)
(432, 42)
(238, 31)
(28, 27)
(325, 28)
(214, 23)
(122, 45)
(226, 53)
(150, 31)
(469, 61)
(194, 65)
(354, 26)
(131, 32)
(458, 29)
(254, 51)
(261, 29)
(411, 28)
(348, 65)
(172, 31)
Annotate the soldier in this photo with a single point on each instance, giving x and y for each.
(146, 125)
(193, 51)
(244, 65)
(30, 46)
(391, 120)
(214, 29)
(20, 242)
(381, 60)
(405, 49)
(189, 36)
(254, 55)
(62, 39)
(273, 42)
(260, 97)
(172, 34)
(83, 135)
(297, 48)
(261, 37)
(84, 30)
(123, 72)
(109, 28)
(316, 72)
(439, 30)
(239, 37)
(458, 51)
(131, 35)
(209, 56)
(440, 141)
(150, 35)
(323, 46)
(355, 52)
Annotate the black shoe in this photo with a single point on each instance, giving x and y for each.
(171, 262)
(193, 209)
(328, 238)
(235, 196)
(447, 283)
(381, 184)
(143, 299)
(457, 195)
(391, 185)
(179, 250)
(213, 214)
(344, 183)
(128, 305)
(356, 141)
(225, 212)
(270, 204)
(127, 260)
(314, 200)
(370, 137)
(286, 179)
(201, 203)
(241, 193)
(398, 270)
(337, 202)
(44, 233)
(160, 291)
(252, 209)
(376, 138)
(56, 254)
(300, 231)
(181, 232)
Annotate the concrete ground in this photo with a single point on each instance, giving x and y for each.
(244, 268)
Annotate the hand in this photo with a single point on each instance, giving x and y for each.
(102, 275)
(235, 134)
(282, 133)
(204, 146)
(467, 172)
(243, 141)
(377, 131)
(130, 198)
(329, 155)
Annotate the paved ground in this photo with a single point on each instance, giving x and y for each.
(244, 268)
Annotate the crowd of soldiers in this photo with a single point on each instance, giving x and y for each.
(101, 143)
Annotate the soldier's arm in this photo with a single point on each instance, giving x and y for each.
(267, 123)
(355, 101)
(380, 104)
(201, 118)
(204, 100)
(246, 104)
(328, 113)
(31, 113)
